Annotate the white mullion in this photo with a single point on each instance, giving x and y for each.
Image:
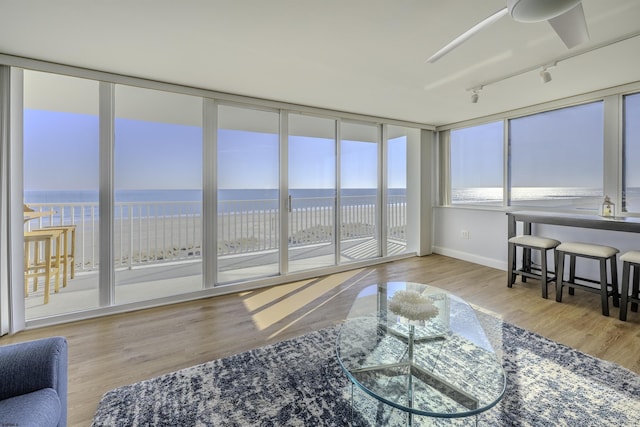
(209, 193)
(506, 164)
(338, 209)
(12, 309)
(106, 196)
(444, 167)
(383, 189)
(284, 192)
(612, 183)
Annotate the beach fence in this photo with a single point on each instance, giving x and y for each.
(157, 232)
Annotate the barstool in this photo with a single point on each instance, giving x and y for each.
(68, 250)
(527, 243)
(591, 251)
(47, 266)
(630, 259)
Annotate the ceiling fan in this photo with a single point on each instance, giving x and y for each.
(565, 16)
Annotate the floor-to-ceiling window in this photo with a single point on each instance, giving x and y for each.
(61, 179)
(312, 192)
(157, 173)
(248, 193)
(359, 191)
(315, 182)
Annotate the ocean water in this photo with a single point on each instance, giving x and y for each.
(126, 196)
(352, 195)
(141, 203)
(488, 194)
(578, 198)
(459, 195)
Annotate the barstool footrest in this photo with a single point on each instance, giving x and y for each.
(537, 276)
(587, 287)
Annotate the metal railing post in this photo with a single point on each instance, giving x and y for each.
(130, 262)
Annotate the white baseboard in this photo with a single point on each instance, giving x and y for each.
(476, 259)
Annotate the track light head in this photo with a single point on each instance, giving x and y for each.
(545, 76)
(475, 95)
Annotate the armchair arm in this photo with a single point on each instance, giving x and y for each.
(33, 365)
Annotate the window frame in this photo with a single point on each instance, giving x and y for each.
(625, 143)
(613, 146)
(488, 203)
(544, 203)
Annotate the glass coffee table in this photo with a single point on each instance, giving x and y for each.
(421, 350)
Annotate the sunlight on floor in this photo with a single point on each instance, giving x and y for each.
(258, 299)
(276, 304)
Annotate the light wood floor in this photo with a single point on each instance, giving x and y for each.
(121, 349)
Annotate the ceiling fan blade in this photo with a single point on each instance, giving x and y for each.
(571, 26)
(467, 35)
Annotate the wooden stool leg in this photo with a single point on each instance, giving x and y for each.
(511, 264)
(47, 265)
(58, 244)
(559, 274)
(635, 292)
(526, 263)
(543, 272)
(36, 260)
(572, 273)
(27, 263)
(615, 294)
(65, 257)
(604, 294)
(73, 252)
(625, 289)
(555, 263)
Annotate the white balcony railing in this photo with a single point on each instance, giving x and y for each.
(156, 232)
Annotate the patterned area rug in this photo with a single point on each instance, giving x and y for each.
(299, 383)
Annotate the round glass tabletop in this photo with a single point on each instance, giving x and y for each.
(420, 349)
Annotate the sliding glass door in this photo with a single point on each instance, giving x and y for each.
(312, 192)
(158, 194)
(318, 183)
(400, 141)
(60, 149)
(248, 178)
(359, 194)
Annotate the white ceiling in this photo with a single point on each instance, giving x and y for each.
(361, 56)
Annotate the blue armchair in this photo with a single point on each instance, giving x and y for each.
(33, 383)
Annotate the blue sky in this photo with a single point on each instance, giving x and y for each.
(632, 134)
(476, 156)
(560, 148)
(61, 153)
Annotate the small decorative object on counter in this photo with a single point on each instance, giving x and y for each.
(608, 207)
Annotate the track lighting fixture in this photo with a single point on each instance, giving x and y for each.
(476, 94)
(545, 75)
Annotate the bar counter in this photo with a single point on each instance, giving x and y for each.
(597, 222)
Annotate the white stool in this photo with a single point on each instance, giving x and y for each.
(630, 259)
(527, 243)
(591, 251)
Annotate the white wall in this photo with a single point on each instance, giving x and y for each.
(487, 230)
(487, 242)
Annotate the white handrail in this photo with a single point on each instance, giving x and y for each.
(155, 232)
